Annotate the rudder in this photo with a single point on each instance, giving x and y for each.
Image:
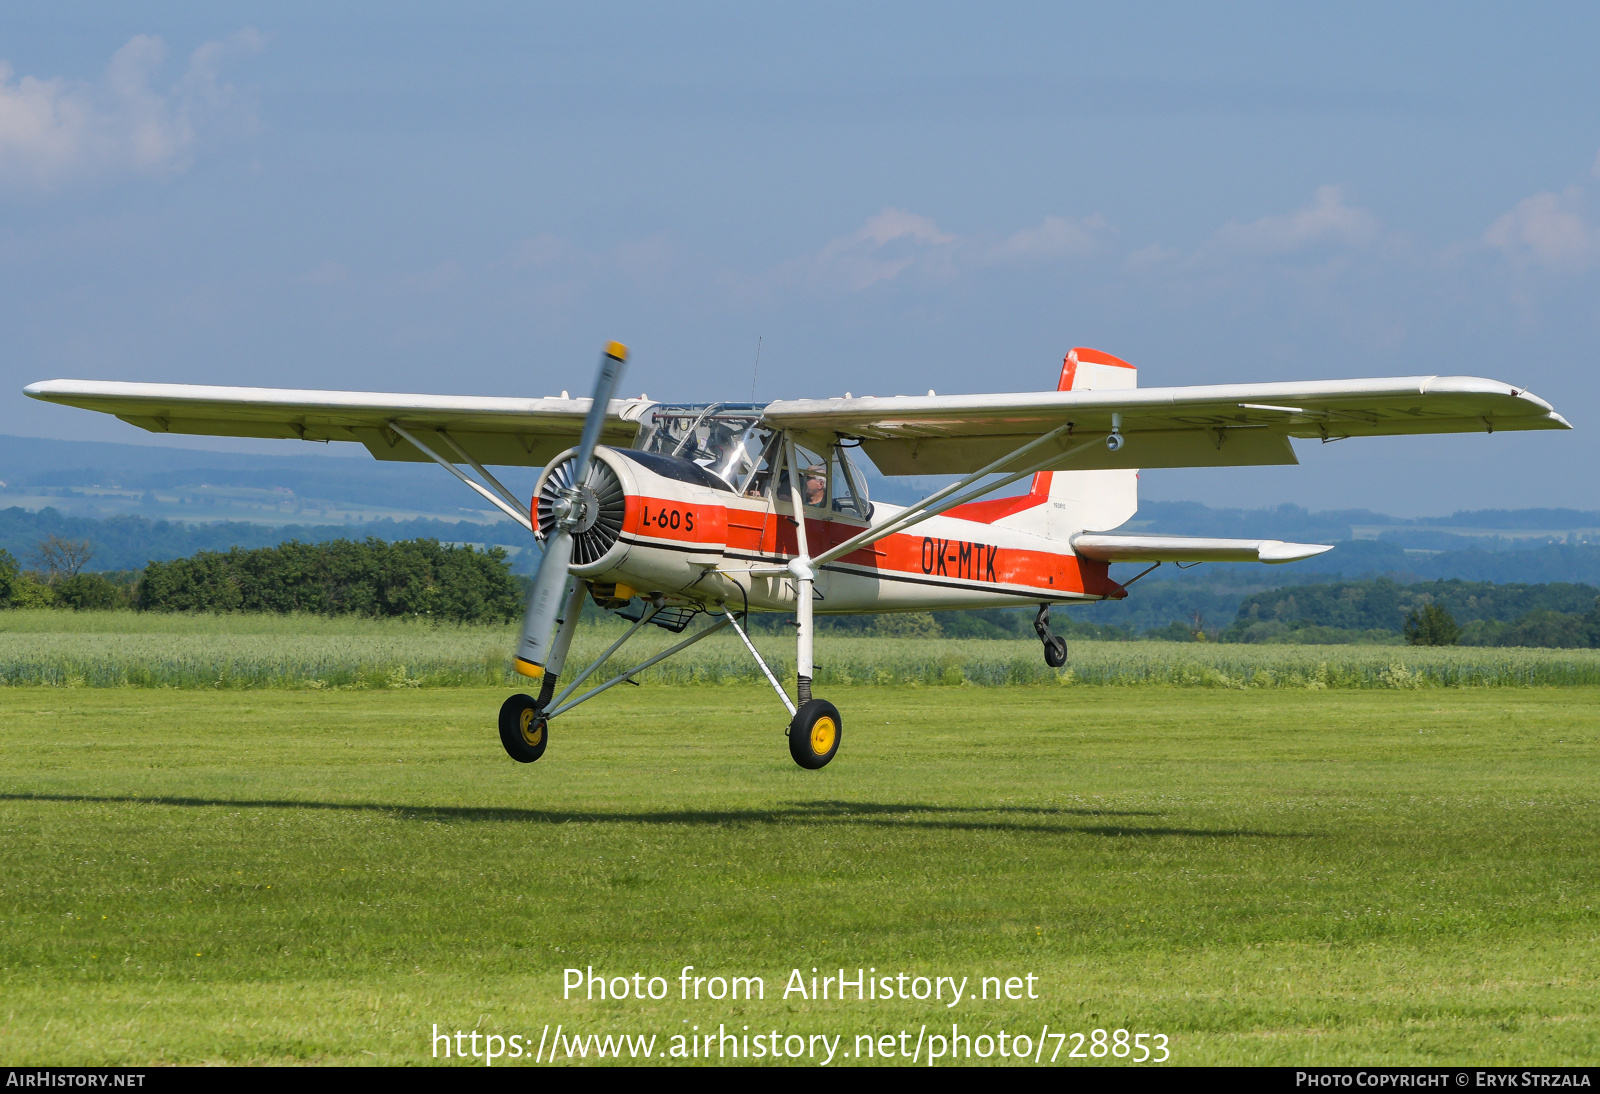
(1068, 502)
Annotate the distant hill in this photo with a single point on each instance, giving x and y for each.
(1486, 529)
(129, 543)
(309, 484)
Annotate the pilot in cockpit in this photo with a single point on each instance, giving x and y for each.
(813, 485)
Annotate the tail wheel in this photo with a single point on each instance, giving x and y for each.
(1055, 651)
(524, 730)
(815, 733)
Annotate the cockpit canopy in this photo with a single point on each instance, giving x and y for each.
(727, 439)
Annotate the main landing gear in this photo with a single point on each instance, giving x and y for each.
(815, 733)
(524, 729)
(1055, 647)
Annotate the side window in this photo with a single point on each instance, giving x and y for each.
(744, 458)
(813, 479)
(849, 493)
(771, 456)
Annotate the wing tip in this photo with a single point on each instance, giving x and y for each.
(1275, 552)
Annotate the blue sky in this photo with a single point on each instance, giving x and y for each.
(474, 198)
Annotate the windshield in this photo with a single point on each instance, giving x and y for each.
(727, 439)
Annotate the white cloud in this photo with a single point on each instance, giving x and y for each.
(1548, 230)
(1152, 258)
(55, 131)
(1054, 237)
(1327, 221)
(888, 244)
(896, 242)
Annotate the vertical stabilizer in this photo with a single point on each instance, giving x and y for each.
(1074, 501)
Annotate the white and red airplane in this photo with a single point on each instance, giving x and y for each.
(669, 511)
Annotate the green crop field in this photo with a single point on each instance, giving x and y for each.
(1263, 874)
(138, 649)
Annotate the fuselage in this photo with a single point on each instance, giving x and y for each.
(697, 542)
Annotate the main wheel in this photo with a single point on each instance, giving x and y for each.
(1055, 651)
(524, 730)
(815, 733)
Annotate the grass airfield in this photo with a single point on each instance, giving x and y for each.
(1265, 876)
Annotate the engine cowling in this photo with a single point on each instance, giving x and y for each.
(605, 505)
(649, 520)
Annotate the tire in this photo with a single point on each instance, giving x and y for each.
(524, 730)
(1055, 651)
(815, 734)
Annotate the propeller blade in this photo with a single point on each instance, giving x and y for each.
(551, 581)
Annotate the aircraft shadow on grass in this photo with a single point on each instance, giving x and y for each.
(871, 814)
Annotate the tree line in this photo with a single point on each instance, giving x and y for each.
(373, 577)
(1425, 613)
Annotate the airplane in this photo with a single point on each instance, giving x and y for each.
(663, 512)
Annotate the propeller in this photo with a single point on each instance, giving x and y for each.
(550, 583)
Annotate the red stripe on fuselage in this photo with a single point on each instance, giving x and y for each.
(675, 521)
(989, 565)
(760, 530)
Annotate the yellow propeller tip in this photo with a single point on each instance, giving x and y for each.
(527, 668)
(617, 350)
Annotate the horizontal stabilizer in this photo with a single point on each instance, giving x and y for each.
(1110, 548)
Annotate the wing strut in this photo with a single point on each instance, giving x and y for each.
(939, 502)
(498, 500)
(483, 471)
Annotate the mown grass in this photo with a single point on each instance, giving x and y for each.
(1266, 876)
(127, 649)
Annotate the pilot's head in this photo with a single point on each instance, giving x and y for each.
(815, 484)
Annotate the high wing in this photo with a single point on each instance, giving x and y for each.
(517, 432)
(1206, 426)
(1216, 425)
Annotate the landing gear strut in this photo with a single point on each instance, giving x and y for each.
(816, 728)
(1055, 647)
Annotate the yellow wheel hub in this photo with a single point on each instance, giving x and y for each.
(533, 730)
(823, 734)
